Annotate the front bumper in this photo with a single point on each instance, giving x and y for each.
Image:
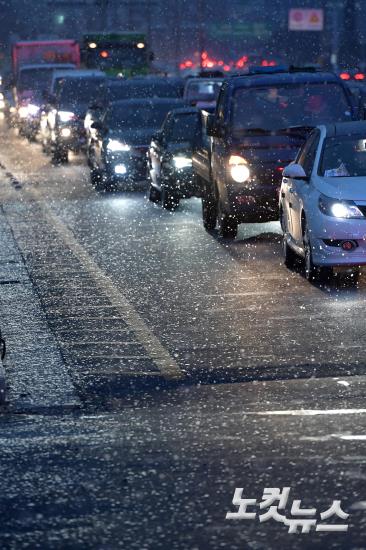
(326, 235)
(127, 166)
(183, 183)
(71, 136)
(253, 201)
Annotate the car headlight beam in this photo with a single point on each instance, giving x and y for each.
(23, 111)
(33, 109)
(65, 116)
(182, 162)
(239, 169)
(114, 145)
(338, 208)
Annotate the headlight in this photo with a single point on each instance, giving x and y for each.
(115, 145)
(239, 169)
(65, 116)
(23, 112)
(65, 132)
(120, 169)
(182, 162)
(32, 109)
(339, 209)
(1, 95)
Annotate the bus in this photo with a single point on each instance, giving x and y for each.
(117, 54)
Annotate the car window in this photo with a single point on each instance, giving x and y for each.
(182, 128)
(279, 106)
(202, 90)
(137, 115)
(220, 109)
(344, 156)
(308, 153)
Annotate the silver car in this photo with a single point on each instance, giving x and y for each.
(323, 201)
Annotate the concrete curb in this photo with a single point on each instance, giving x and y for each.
(2, 383)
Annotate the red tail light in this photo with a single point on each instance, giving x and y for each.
(345, 76)
(359, 76)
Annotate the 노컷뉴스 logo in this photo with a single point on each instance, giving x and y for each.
(300, 520)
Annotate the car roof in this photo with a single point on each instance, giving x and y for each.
(157, 100)
(76, 73)
(49, 66)
(346, 128)
(71, 76)
(279, 78)
(144, 82)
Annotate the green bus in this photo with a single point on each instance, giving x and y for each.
(122, 53)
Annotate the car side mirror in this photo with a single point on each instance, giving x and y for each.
(100, 127)
(295, 171)
(158, 136)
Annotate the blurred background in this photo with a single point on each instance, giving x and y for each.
(178, 31)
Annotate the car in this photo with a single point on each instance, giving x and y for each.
(62, 127)
(118, 154)
(260, 122)
(323, 201)
(118, 89)
(170, 158)
(202, 92)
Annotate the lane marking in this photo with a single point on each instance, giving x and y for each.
(308, 412)
(166, 364)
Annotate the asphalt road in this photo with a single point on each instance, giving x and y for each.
(154, 367)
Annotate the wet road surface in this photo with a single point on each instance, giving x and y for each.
(169, 355)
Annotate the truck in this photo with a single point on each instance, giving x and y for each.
(33, 64)
(260, 122)
(50, 52)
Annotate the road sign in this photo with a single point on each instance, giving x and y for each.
(305, 19)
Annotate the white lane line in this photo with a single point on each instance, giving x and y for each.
(308, 412)
(167, 366)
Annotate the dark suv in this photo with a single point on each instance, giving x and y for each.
(261, 120)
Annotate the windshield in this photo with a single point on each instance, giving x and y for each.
(128, 90)
(81, 90)
(140, 115)
(34, 79)
(205, 90)
(278, 107)
(344, 156)
(182, 128)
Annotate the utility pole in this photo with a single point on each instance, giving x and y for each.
(177, 34)
(201, 15)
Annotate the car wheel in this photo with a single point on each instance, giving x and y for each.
(313, 272)
(60, 156)
(351, 278)
(228, 226)
(289, 256)
(95, 178)
(154, 195)
(209, 210)
(169, 199)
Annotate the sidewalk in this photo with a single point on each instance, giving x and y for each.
(33, 374)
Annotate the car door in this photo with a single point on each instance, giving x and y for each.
(298, 188)
(202, 151)
(157, 150)
(99, 141)
(219, 143)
